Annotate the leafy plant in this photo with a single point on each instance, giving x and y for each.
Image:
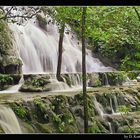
(123, 109)
(20, 111)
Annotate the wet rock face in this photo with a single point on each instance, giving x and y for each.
(109, 111)
(9, 59)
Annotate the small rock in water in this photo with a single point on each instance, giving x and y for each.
(138, 78)
(108, 110)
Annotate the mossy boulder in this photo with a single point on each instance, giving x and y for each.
(9, 59)
(45, 128)
(1, 130)
(93, 80)
(112, 78)
(35, 83)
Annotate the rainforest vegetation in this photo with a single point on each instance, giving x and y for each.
(109, 33)
(112, 32)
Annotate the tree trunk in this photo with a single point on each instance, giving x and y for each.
(84, 71)
(60, 50)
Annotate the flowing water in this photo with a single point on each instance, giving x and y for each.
(106, 80)
(8, 121)
(39, 50)
(100, 109)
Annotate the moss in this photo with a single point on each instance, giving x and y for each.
(1, 130)
(9, 61)
(45, 128)
(62, 116)
(39, 103)
(94, 80)
(60, 102)
(132, 75)
(41, 21)
(41, 111)
(5, 40)
(5, 80)
(64, 123)
(19, 110)
(91, 112)
(35, 83)
(67, 80)
(94, 128)
(126, 129)
(70, 129)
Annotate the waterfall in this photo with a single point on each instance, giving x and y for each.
(115, 102)
(8, 121)
(75, 79)
(111, 106)
(106, 80)
(110, 127)
(99, 108)
(38, 50)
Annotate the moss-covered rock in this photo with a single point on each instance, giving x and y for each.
(1, 130)
(109, 111)
(45, 128)
(35, 83)
(9, 59)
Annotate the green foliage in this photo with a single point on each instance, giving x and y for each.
(132, 75)
(19, 110)
(59, 123)
(113, 32)
(94, 128)
(129, 130)
(42, 106)
(63, 120)
(5, 80)
(123, 109)
(5, 40)
(116, 77)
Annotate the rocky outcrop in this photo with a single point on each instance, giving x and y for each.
(110, 110)
(7, 80)
(35, 83)
(9, 58)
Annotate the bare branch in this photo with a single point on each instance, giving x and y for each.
(22, 12)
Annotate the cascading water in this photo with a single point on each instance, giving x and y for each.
(8, 121)
(98, 108)
(106, 80)
(103, 114)
(110, 127)
(39, 50)
(55, 85)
